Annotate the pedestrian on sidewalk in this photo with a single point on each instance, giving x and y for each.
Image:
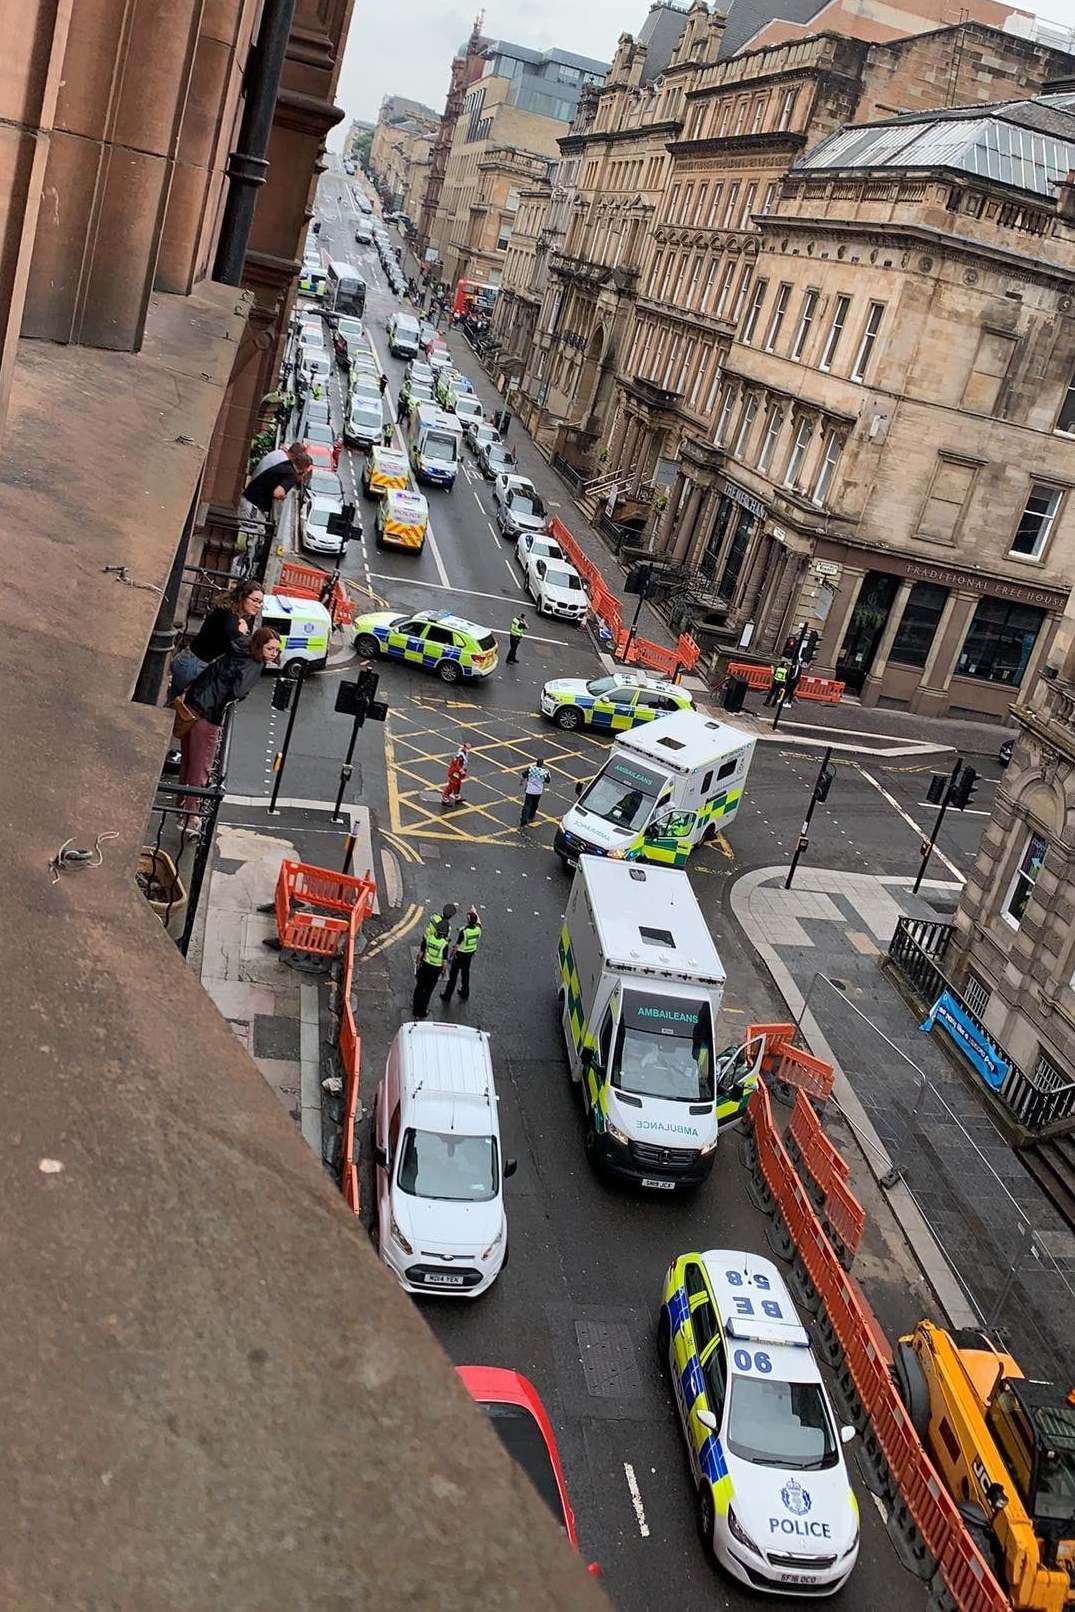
(457, 771)
(534, 780)
(383, 383)
(337, 450)
(466, 944)
(432, 954)
(516, 634)
(388, 433)
(201, 707)
(228, 624)
(780, 677)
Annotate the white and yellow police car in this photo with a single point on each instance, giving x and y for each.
(774, 1501)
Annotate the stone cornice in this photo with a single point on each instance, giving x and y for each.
(576, 144)
(733, 145)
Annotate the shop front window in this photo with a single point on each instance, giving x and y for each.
(708, 562)
(999, 642)
(921, 615)
(737, 553)
(1024, 880)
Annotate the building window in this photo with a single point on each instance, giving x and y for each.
(746, 421)
(770, 196)
(741, 116)
(921, 617)
(714, 205)
(1024, 880)
(806, 319)
(699, 204)
(696, 275)
(1036, 521)
(799, 447)
(685, 211)
(1065, 420)
(710, 277)
(780, 308)
(729, 205)
(976, 995)
(503, 238)
(868, 342)
(999, 642)
(741, 293)
(759, 113)
(786, 108)
(725, 119)
(751, 324)
(836, 330)
(673, 201)
(947, 498)
(727, 405)
(748, 207)
(688, 354)
(774, 420)
(830, 458)
(699, 379)
(725, 288)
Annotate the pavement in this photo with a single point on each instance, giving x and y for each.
(575, 1309)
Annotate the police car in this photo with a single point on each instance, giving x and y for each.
(774, 1501)
(618, 702)
(433, 639)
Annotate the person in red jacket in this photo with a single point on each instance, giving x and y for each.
(457, 771)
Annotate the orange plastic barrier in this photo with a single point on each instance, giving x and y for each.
(334, 898)
(759, 677)
(804, 1072)
(821, 1160)
(308, 582)
(775, 1036)
(867, 1359)
(823, 689)
(845, 1220)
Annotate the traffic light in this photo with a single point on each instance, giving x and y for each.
(810, 643)
(283, 688)
(824, 784)
(638, 580)
(963, 791)
(791, 644)
(938, 783)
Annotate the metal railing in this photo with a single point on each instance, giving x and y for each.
(173, 863)
(1036, 1101)
(573, 477)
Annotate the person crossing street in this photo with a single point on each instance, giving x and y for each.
(432, 955)
(516, 633)
(534, 780)
(457, 771)
(466, 944)
(780, 677)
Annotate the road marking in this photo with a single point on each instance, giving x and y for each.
(968, 811)
(908, 819)
(500, 550)
(471, 593)
(438, 562)
(399, 931)
(636, 1499)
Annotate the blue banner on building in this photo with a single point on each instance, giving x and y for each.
(951, 1015)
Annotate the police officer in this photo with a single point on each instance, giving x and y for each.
(432, 954)
(780, 677)
(516, 633)
(466, 944)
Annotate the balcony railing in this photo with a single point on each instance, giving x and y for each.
(1036, 1101)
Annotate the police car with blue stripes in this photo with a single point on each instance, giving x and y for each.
(774, 1501)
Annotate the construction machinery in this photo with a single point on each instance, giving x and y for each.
(1005, 1448)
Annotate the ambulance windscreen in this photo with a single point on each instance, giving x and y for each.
(664, 1048)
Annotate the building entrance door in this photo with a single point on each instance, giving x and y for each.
(865, 628)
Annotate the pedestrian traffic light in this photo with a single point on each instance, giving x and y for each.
(281, 693)
(824, 784)
(938, 783)
(810, 643)
(791, 643)
(638, 580)
(963, 791)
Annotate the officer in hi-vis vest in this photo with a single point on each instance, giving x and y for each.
(432, 955)
(466, 944)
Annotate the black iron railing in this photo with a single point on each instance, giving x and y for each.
(178, 840)
(1036, 1101)
(573, 477)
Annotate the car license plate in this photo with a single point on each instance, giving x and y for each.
(798, 1578)
(665, 1186)
(442, 1279)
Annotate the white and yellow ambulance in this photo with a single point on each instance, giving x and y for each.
(402, 520)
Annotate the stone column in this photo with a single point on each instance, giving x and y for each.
(832, 635)
(126, 72)
(754, 575)
(778, 609)
(685, 527)
(628, 442)
(637, 462)
(871, 689)
(667, 523)
(704, 529)
(931, 695)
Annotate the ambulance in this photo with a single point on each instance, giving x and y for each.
(402, 520)
(664, 789)
(305, 628)
(640, 985)
(385, 470)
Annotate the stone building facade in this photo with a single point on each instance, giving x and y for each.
(467, 65)
(894, 442)
(400, 152)
(514, 322)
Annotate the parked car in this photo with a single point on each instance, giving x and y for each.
(510, 481)
(556, 588)
(521, 510)
(518, 1417)
(495, 460)
(479, 434)
(315, 533)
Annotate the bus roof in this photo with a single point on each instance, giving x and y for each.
(345, 271)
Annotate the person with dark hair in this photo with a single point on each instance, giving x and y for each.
(230, 619)
(275, 475)
(432, 955)
(201, 707)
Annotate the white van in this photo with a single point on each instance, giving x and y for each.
(403, 335)
(640, 985)
(440, 1172)
(364, 422)
(664, 789)
(304, 627)
(434, 442)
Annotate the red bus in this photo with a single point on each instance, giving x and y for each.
(473, 297)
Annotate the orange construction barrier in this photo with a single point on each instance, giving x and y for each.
(314, 907)
(759, 677)
(350, 1050)
(845, 1220)
(821, 1160)
(924, 1515)
(823, 689)
(803, 1072)
(308, 582)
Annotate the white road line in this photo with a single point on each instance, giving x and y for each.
(907, 818)
(437, 561)
(636, 1499)
(968, 811)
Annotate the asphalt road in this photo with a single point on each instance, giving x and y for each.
(575, 1309)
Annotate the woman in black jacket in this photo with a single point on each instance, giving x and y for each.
(224, 681)
(230, 620)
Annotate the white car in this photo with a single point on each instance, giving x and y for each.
(540, 546)
(315, 533)
(556, 588)
(774, 1500)
(442, 1227)
(509, 482)
(316, 366)
(351, 330)
(364, 385)
(326, 484)
(482, 435)
(468, 410)
(418, 373)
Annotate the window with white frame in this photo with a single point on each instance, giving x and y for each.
(746, 422)
(786, 108)
(1024, 879)
(770, 196)
(747, 208)
(711, 395)
(688, 354)
(750, 324)
(714, 205)
(774, 422)
(708, 287)
(759, 113)
(699, 377)
(1065, 420)
(1037, 521)
(725, 119)
(741, 292)
(868, 341)
(799, 447)
(836, 330)
(725, 289)
(806, 319)
(685, 211)
(741, 115)
(729, 205)
(699, 204)
(673, 202)
(976, 995)
(776, 319)
(724, 417)
(696, 275)
(830, 458)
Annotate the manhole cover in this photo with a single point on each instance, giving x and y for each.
(608, 1359)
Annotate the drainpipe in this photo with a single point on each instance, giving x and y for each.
(247, 165)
